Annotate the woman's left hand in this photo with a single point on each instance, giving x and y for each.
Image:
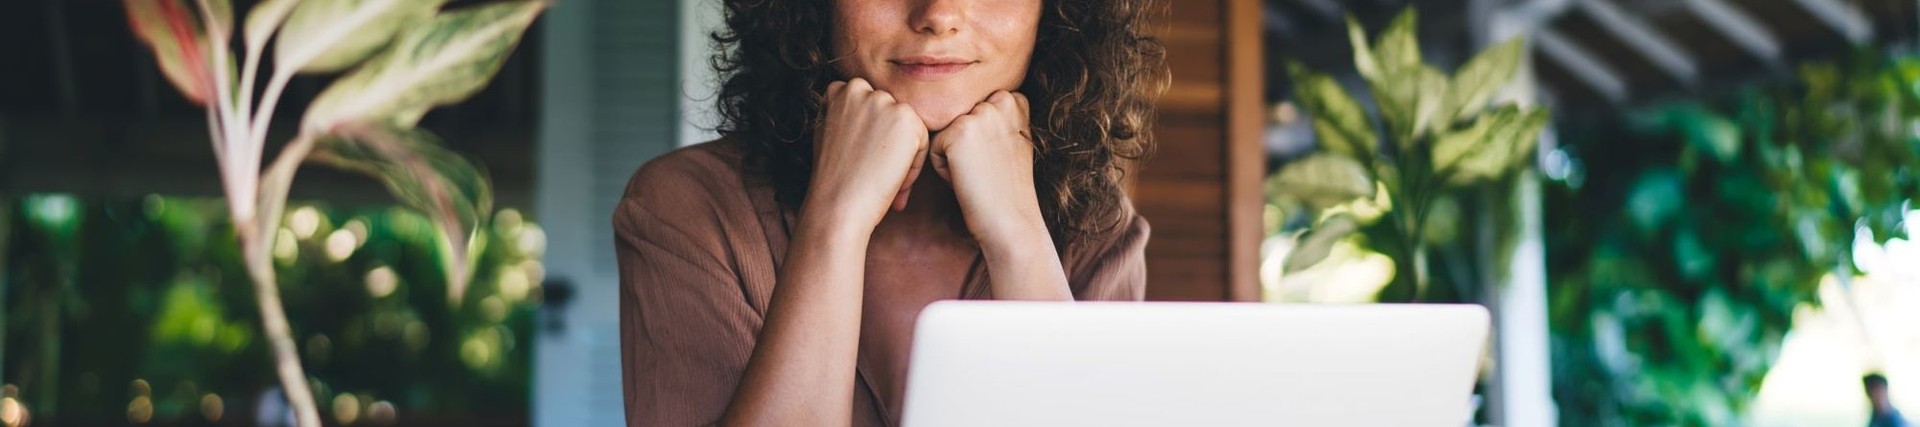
(988, 157)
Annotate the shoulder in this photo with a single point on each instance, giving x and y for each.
(694, 167)
(1110, 265)
(689, 186)
(1129, 233)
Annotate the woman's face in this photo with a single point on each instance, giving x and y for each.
(939, 56)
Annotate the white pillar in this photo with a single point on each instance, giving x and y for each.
(698, 20)
(1522, 393)
(609, 85)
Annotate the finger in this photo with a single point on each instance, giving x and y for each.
(1000, 97)
(913, 174)
(857, 84)
(834, 91)
(940, 166)
(980, 109)
(1020, 101)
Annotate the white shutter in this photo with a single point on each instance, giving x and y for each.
(610, 102)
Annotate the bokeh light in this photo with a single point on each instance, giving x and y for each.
(346, 408)
(285, 248)
(304, 221)
(212, 407)
(140, 410)
(11, 413)
(382, 413)
(341, 243)
(381, 282)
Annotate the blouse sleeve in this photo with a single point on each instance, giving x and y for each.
(686, 327)
(1111, 267)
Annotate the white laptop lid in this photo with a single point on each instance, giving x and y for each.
(1193, 364)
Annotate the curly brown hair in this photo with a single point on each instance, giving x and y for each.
(1092, 99)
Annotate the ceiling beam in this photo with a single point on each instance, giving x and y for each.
(1584, 65)
(1276, 23)
(1743, 29)
(1645, 39)
(1843, 17)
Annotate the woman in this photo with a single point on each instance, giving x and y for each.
(877, 156)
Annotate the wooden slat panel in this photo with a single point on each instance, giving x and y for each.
(1184, 279)
(1196, 187)
(1188, 153)
(1193, 197)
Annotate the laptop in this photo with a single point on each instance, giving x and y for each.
(977, 363)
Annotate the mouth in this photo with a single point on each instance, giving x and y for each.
(932, 66)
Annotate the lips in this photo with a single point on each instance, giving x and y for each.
(932, 66)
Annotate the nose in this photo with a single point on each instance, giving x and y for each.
(939, 17)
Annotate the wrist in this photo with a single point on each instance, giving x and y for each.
(833, 224)
(1020, 239)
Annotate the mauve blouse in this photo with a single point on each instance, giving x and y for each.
(699, 238)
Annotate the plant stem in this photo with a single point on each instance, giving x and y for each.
(273, 321)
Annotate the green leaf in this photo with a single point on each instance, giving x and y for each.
(1497, 143)
(264, 18)
(1398, 48)
(424, 175)
(172, 31)
(1709, 131)
(1363, 58)
(1410, 100)
(1656, 198)
(1323, 180)
(439, 62)
(325, 36)
(1338, 120)
(1318, 242)
(1476, 82)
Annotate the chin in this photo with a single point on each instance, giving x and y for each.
(939, 114)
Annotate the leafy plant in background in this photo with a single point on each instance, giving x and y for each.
(400, 58)
(155, 329)
(1434, 133)
(1683, 261)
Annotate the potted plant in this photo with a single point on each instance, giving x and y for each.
(396, 59)
(1433, 134)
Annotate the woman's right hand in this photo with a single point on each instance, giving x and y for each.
(866, 156)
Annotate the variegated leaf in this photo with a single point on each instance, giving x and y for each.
(443, 61)
(1510, 136)
(424, 175)
(1323, 180)
(1399, 46)
(264, 18)
(172, 31)
(1449, 148)
(1339, 121)
(1318, 242)
(325, 36)
(1363, 58)
(1475, 83)
(1409, 101)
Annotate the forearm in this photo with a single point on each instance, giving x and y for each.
(802, 368)
(1026, 267)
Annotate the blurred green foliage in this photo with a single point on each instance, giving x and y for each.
(1702, 226)
(108, 301)
(1433, 139)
